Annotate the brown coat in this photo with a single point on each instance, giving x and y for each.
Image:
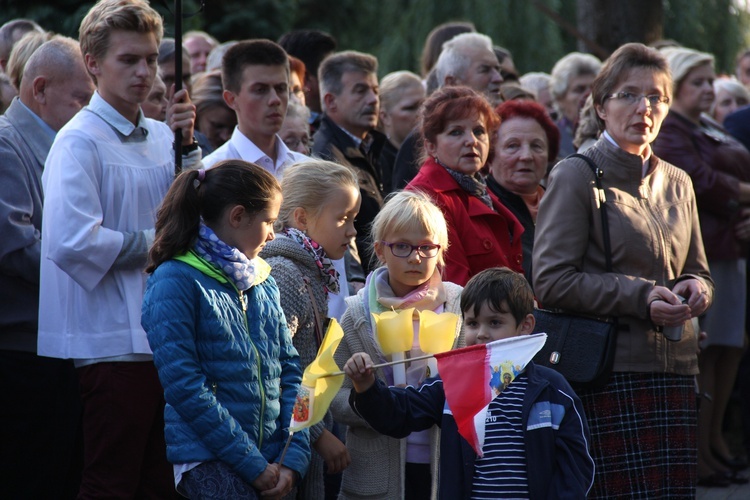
(656, 240)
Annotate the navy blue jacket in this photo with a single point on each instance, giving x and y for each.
(555, 432)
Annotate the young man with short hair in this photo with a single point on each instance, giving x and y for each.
(255, 74)
(104, 179)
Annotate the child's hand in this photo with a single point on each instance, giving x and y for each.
(267, 479)
(283, 486)
(359, 370)
(333, 451)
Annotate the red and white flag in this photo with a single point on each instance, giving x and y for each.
(474, 375)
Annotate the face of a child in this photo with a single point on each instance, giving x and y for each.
(255, 230)
(333, 227)
(489, 325)
(407, 273)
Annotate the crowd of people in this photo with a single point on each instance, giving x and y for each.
(161, 299)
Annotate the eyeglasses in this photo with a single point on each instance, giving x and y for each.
(404, 250)
(631, 98)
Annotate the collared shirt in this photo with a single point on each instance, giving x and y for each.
(47, 129)
(242, 148)
(124, 127)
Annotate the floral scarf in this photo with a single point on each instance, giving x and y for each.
(327, 271)
(472, 184)
(229, 260)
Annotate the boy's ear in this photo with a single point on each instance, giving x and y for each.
(527, 325)
(228, 96)
(91, 64)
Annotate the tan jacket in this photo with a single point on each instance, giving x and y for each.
(656, 240)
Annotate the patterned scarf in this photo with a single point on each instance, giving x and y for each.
(472, 184)
(325, 266)
(229, 260)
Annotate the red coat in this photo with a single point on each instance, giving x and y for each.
(479, 238)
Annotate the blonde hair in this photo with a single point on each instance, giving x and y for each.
(407, 212)
(22, 52)
(109, 15)
(310, 184)
(682, 61)
(393, 85)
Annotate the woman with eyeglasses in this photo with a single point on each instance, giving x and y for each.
(643, 421)
(457, 126)
(719, 167)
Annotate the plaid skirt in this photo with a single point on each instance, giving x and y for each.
(643, 436)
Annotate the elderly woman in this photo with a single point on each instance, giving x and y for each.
(214, 119)
(457, 125)
(526, 140)
(570, 81)
(295, 132)
(643, 421)
(539, 84)
(720, 169)
(731, 95)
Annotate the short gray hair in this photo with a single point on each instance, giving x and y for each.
(333, 67)
(53, 59)
(571, 66)
(453, 61)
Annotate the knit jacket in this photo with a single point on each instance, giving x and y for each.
(656, 240)
(555, 433)
(378, 461)
(297, 274)
(227, 365)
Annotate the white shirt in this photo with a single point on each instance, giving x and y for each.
(103, 177)
(239, 147)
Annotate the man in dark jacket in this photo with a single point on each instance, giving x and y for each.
(349, 93)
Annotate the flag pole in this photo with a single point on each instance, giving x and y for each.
(380, 365)
(286, 447)
(177, 81)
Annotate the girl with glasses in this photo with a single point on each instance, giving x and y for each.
(410, 239)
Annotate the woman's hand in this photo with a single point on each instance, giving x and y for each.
(267, 479)
(333, 451)
(666, 308)
(283, 486)
(696, 293)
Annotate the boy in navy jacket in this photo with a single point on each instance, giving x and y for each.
(526, 454)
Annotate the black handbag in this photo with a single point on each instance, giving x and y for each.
(582, 348)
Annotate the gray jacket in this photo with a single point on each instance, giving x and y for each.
(24, 145)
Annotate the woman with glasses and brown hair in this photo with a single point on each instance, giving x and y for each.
(719, 167)
(643, 421)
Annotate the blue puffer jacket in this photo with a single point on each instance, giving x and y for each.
(223, 371)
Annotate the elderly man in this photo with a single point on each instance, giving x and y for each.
(347, 135)
(466, 59)
(38, 425)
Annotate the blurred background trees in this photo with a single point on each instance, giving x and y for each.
(537, 32)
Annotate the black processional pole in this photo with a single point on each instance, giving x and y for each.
(177, 81)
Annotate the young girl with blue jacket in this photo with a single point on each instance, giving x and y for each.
(221, 344)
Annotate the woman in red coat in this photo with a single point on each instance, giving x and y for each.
(458, 125)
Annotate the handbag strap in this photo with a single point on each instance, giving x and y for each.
(316, 313)
(598, 174)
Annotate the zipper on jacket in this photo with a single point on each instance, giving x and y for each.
(243, 302)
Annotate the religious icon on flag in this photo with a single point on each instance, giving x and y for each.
(318, 387)
(474, 375)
